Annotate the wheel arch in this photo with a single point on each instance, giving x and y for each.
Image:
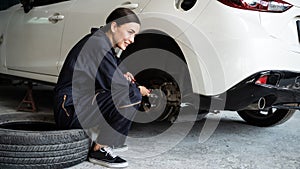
(157, 39)
(166, 67)
(154, 38)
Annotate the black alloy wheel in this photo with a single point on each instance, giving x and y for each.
(268, 118)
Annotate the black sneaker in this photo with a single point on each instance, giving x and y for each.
(120, 148)
(105, 157)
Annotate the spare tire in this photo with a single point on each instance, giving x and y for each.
(31, 140)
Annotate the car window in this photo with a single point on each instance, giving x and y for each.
(5, 4)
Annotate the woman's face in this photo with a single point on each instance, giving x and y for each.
(123, 35)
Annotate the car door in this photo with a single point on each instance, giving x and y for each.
(34, 38)
(6, 8)
(85, 14)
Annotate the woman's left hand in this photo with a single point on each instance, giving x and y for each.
(144, 91)
(129, 77)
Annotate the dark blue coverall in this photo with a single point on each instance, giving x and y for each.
(91, 89)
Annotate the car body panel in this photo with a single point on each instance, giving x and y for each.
(5, 16)
(228, 54)
(168, 17)
(85, 14)
(37, 40)
(294, 2)
(218, 47)
(283, 27)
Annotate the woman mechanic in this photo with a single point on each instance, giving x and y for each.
(93, 92)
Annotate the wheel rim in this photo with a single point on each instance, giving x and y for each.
(263, 114)
(165, 93)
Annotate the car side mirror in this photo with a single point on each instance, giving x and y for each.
(27, 5)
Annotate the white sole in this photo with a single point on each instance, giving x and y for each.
(110, 165)
(120, 149)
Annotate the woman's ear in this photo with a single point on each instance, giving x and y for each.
(113, 27)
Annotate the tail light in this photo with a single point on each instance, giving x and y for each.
(271, 79)
(259, 5)
(262, 80)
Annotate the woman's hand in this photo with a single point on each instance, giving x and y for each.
(129, 77)
(144, 91)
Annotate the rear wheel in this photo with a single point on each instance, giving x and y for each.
(266, 118)
(160, 65)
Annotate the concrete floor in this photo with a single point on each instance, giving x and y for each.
(233, 145)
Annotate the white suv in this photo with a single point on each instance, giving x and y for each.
(239, 55)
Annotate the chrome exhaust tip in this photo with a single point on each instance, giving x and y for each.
(261, 103)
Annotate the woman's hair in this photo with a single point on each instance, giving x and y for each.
(121, 16)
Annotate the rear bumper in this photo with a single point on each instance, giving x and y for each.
(281, 91)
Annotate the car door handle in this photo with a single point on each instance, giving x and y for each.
(1, 39)
(56, 17)
(130, 6)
